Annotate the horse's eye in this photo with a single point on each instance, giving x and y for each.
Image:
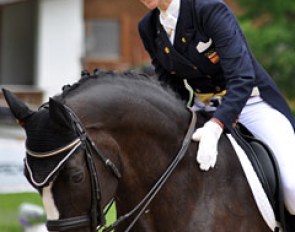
(77, 177)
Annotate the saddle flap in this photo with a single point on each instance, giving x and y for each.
(265, 166)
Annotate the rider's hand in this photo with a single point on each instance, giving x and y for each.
(208, 136)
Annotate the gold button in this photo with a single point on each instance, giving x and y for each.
(173, 72)
(167, 50)
(217, 89)
(183, 39)
(195, 67)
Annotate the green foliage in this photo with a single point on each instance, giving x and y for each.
(9, 210)
(269, 29)
(9, 207)
(277, 8)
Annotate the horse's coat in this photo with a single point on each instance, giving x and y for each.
(140, 126)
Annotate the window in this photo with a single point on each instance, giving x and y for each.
(102, 39)
(17, 43)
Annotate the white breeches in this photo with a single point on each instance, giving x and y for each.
(275, 130)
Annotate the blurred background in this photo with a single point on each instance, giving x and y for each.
(44, 44)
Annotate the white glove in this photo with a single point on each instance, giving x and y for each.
(208, 136)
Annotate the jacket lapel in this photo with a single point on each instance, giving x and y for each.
(170, 55)
(185, 28)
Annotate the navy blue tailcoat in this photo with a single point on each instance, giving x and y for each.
(210, 23)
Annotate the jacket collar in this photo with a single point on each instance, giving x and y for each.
(185, 27)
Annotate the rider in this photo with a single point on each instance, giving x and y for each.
(201, 41)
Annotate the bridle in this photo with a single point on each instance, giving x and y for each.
(96, 218)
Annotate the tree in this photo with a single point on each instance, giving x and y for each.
(269, 28)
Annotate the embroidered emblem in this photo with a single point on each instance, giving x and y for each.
(209, 52)
(213, 56)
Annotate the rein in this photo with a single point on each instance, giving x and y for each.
(145, 202)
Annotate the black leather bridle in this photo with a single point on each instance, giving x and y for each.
(96, 218)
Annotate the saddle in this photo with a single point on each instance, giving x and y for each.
(266, 167)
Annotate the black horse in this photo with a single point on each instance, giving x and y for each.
(119, 136)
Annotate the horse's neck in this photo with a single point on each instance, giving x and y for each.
(141, 140)
(144, 148)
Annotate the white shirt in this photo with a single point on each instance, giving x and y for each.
(168, 19)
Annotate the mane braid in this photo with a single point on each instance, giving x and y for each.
(98, 73)
(128, 80)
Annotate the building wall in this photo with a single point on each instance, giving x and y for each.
(126, 13)
(57, 53)
(60, 44)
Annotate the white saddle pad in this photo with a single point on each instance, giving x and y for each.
(258, 192)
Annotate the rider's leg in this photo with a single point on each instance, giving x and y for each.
(274, 129)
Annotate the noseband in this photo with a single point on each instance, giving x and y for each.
(96, 218)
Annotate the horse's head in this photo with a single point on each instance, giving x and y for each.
(134, 126)
(59, 165)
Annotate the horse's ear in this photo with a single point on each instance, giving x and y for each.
(59, 113)
(18, 108)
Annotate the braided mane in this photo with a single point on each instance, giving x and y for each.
(100, 74)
